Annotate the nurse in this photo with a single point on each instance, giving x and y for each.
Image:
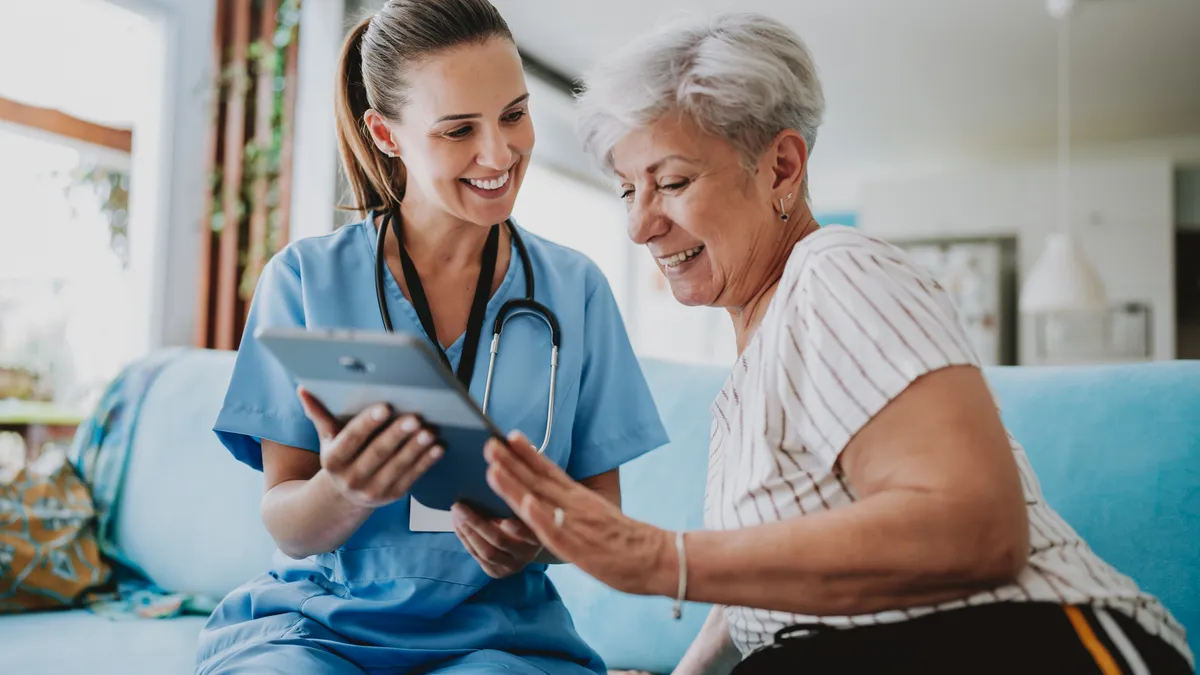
(434, 130)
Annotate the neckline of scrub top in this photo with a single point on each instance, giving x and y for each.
(454, 351)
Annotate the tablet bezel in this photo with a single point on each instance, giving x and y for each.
(341, 343)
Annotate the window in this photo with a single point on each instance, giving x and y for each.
(64, 290)
(69, 310)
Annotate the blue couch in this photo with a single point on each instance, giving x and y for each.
(1117, 449)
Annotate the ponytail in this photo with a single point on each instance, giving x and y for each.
(376, 180)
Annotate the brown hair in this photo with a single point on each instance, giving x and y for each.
(375, 56)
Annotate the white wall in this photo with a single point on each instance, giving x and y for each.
(169, 175)
(314, 176)
(838, 182)
(1122, 211)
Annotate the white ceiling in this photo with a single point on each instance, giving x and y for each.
(911, 80)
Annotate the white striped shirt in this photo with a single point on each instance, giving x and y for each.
(854, 321)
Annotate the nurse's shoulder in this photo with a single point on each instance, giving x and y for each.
(261, 399)
(314, 260)
(565, 269)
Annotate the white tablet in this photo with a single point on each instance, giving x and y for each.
(348, 371)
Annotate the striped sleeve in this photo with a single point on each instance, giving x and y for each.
(862, 324)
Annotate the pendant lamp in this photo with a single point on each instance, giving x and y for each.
(1063, 281)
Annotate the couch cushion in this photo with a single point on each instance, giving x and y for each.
(81, 642)
(1117, 452)
(188, 513)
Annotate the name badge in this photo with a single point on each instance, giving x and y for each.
(423, 518)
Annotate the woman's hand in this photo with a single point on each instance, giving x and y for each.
(575, 523)
(502, 547)
(374, 458)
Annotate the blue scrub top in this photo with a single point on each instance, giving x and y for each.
(404, 599)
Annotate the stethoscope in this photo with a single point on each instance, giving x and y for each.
(511, 308)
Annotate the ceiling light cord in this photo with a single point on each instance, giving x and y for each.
(1064, 123)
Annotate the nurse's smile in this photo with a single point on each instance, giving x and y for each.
(493, 187)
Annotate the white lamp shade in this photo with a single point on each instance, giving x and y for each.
(1062, 281)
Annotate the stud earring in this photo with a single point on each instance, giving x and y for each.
(782, 210)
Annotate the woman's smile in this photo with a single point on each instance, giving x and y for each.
(493, 187)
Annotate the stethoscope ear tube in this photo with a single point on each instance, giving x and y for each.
(526, 306)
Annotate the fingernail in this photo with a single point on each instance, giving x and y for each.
(436, 452)
(379, 413)
(409, 424)
(424, 438)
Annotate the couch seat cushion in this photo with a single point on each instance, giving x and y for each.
(79, 641)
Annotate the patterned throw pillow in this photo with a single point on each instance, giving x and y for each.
(48, 550)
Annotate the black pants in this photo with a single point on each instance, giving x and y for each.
(1017, 637)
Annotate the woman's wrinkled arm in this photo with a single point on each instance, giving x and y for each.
(940, 514)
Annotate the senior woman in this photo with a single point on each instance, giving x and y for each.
(866, 510)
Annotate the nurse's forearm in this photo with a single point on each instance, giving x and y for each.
(306, 517)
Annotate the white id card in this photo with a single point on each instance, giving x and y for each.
(423, 518)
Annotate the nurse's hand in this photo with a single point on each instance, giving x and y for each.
(576, 524)
(375, 457)
(502, 547)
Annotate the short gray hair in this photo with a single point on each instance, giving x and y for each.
(739, 76)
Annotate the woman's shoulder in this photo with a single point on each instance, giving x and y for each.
(839, 255)
(312, 265)
(857, 291)
(564, 264)
(303, 254)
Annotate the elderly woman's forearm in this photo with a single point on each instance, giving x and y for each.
(607, 485)
(894, 549)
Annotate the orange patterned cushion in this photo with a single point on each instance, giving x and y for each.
(48, 550)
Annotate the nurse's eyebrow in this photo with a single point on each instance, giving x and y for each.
(471, 116)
